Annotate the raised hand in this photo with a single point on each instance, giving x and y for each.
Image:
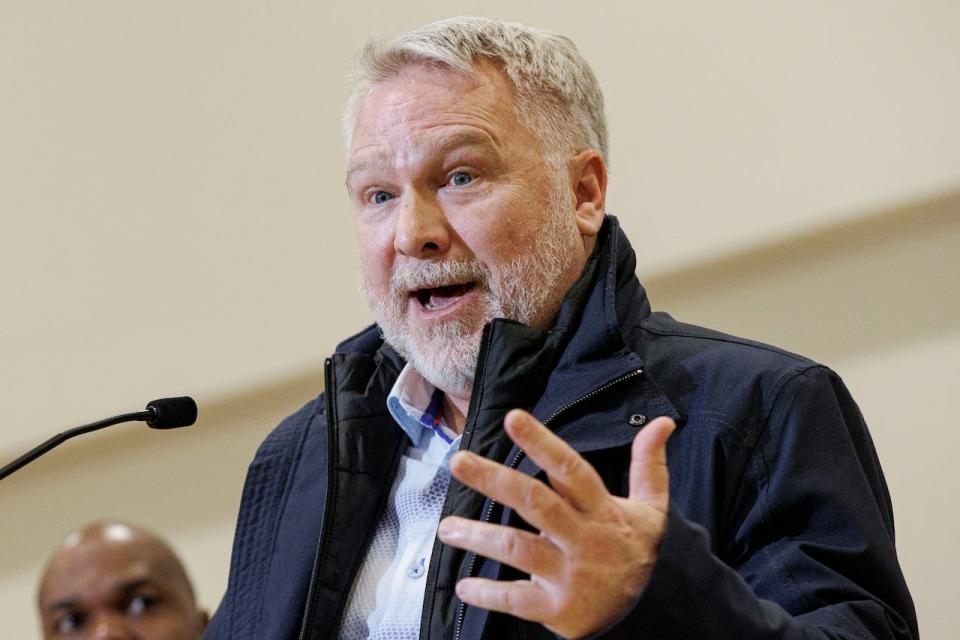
(594, 553)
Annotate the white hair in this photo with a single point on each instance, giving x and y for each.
(557, 96)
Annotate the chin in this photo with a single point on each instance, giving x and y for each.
(448, 362)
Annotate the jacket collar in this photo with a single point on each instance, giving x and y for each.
(585, 350)
(545, 371)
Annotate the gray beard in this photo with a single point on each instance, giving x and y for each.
(445, 353)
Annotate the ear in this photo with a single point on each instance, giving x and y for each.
(589, 175)
(203, 620)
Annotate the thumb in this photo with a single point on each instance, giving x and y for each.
(649, 481)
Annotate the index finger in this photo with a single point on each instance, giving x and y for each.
(570, 474)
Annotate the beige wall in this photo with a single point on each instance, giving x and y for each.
(174, 222)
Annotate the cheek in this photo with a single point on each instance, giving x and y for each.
(508, 238)
(376, 258)
(168, 624)
(375, 272)
(500, 228)
(166, 629)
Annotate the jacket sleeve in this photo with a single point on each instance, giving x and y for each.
(813, 554)
(260, 530)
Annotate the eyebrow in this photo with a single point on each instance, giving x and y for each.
(66, 603)
(471, 138)
(123, 588)
(132, 585)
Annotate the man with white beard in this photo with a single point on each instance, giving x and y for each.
(492, 459)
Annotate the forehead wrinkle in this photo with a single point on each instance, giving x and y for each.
(443, 145)
(434, 147)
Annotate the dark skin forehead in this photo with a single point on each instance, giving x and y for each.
(105, 560)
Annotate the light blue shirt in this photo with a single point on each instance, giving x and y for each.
(386, 599)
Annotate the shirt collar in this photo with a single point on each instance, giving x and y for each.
(416, 405)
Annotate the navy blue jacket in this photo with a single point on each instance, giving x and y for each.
(780, 524)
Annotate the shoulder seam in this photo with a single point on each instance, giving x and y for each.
(784, 382)
(720, 337)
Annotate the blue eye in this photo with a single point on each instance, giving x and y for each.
(461, 178)
(381, 196)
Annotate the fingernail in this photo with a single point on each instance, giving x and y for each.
(464, 461)
(448, 530)
(518, 422)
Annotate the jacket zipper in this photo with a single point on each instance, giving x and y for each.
(462, 607)
(471, 422)
(331, 450)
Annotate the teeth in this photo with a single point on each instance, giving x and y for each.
(441, 296)
(430, 306)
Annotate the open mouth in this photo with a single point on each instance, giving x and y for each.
(433, 298)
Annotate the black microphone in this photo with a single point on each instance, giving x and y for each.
(171, 413)
(165, 413)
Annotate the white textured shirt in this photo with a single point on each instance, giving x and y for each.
(386, 599)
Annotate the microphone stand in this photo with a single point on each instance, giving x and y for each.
(60, 438)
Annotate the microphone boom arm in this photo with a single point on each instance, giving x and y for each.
(166, 413)
(60, 438)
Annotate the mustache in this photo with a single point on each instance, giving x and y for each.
(410, 276)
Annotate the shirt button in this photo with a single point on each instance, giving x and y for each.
(417, 569)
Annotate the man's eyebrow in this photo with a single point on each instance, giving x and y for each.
(132, 585)
(124, 588)
(64, 603)
(363, 164)
(438, 147)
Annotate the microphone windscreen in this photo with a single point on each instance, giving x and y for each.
(170, 413)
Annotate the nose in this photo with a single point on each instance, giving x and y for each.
(423, 230)
(110, 625)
